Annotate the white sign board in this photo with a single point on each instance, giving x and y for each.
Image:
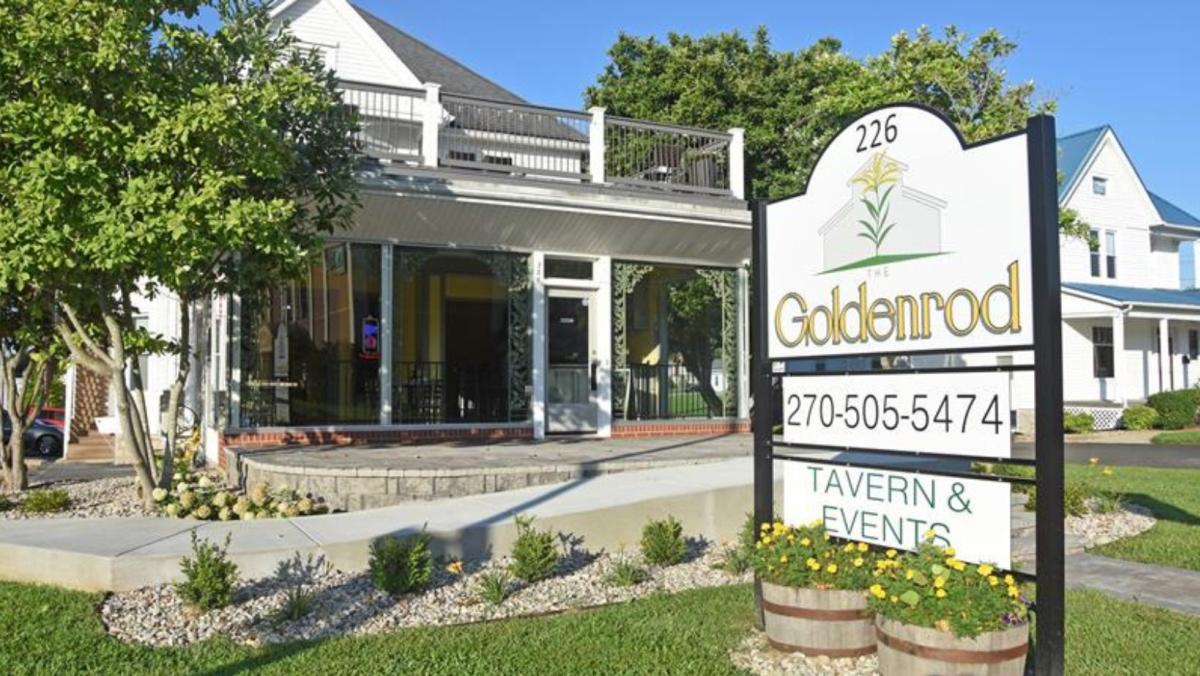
(896, 509)
(904, 241)
(965, 414)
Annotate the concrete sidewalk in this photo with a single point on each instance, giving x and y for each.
(711, 500)
(1170, 588)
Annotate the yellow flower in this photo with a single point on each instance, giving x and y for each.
(862, 547)
(950, 551)
(791, 538)
(1093, 461)
(895, 599)
(891, 553)
(827, 537)
(984, 570)
(858, 562)
(849, 547)
(1014, 592)
(831, 568)
(804, 542)
(939, 582)
(941, 593)
(877, 591)
(455, 567)
(1009, 580)
(929, 534)
(909, 575)
(766, 526)
(812, 562)
(1107, 471)
(783, 559)
(816, 523)
(993, 580)
(758, 545)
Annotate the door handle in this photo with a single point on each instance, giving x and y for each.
(595, 370)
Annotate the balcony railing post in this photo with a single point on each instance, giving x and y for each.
(737, 162)
(596, 160)
(431, 122)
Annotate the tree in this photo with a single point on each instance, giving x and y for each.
(792, 104)
(30, 355)
(143, 155)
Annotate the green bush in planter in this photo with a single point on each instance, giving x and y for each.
(1078, 423)
(662, 542)
(534, 555)
(1176, 409)
(1139, 417)
(401, 565)
(209, 577)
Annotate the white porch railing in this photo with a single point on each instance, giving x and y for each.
(423, 127)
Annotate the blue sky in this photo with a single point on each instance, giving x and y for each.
(1128, 64)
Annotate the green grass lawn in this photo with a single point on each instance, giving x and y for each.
(1174, 497)
(1178, 438)
(50, 631)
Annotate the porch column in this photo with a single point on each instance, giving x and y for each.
(602, 274)
(737, 166)
(431, 124)
(234, 338)
(386, 303)
(596, 146)
(743, 343)
(1118, 345)
(537, 403)
(1164, 354)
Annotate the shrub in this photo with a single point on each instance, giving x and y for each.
(1176, 409)
(534, 554)
(209, 577)
(1139, 417)
(627, 574)
(736, 559)
(662, 542)
(6, 503)
(1078, 423)
(197, 496)
(495, 586)
(806, 556)
(1089, 493)
(296, 574)
(46, 501)
(401, 565)
(931, 588)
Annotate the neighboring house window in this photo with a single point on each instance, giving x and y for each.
(1099, 185)
(1110, 253)
(1095, 247)
(1102, 351)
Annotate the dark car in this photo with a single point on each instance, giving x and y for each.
(43, 438)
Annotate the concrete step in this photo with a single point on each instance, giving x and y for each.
(91, 448)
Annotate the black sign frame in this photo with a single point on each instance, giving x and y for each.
(1048, 383)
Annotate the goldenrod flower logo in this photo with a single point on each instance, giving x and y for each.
(880, 173)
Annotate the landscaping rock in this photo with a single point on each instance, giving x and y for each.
(757, 656)
(89, 499)
(1098, 528)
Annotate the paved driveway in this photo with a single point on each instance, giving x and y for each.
(1125, 455)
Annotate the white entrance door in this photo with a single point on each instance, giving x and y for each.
(571, 374)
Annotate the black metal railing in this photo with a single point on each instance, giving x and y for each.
(427, 392)
(668, 391)
(320, 391)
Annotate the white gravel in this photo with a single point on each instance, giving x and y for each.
(347, 603)
(1096, 529)
(756, 656)
(89, 499)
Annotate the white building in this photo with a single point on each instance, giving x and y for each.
(1131, 317)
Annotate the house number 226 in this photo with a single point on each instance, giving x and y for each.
(873, 130)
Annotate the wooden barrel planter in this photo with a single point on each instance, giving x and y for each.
(831, 622)
(908, 650)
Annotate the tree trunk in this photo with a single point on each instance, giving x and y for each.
(172, 413)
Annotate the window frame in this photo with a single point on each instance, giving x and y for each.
(1101, 345)
(1100, 185)
(1110, 254)
(1094, 252)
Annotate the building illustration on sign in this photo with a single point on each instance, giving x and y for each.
(883, 221)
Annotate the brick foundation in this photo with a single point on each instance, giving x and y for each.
(677, 428)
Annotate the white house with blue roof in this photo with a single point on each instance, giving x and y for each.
(1131, 312)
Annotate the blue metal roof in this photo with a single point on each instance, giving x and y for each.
(1073, 154)
(1173, 215)
(1135, 295)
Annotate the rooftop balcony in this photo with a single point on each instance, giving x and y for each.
(425, 128)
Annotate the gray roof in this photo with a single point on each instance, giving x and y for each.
(430, 65)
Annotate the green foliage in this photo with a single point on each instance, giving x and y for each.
(495, 586)
(806, 556)
(534, 556)
(1078, 423)
(1139, 417)
(209, 577)
(1178, 438)
(297, 574)
(1176, 409)
(197, 496)
(626, 573)
(736, 559)
(46, 500)
(662, 542)
(931, 588)
(1090, 489)
(401, 565)
(6, 503)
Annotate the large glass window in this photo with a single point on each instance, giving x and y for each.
(461, 337)
(310, 350)
(674, 342)
(1102, 352)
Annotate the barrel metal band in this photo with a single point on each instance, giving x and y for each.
(818, 613)
(827, 652)
(952, 655)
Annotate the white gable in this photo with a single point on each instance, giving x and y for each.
(1125, 201)
(351, 48)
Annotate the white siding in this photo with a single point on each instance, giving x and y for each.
(1164, 263)
(1126, 209)
(352, 49)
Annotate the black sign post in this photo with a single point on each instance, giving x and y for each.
(1047, 372)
